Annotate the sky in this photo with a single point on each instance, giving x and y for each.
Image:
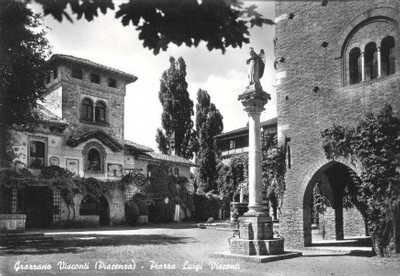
(106, 41)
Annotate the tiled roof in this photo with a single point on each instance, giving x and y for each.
(170, 158)
(135, 147)
(106, 139)
(270, 122)
(46, 116)
(58, 57)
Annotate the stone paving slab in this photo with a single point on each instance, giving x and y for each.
(257, 258)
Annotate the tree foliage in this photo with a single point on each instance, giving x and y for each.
(320, 201)
(273, 167)
(374, 144)
(219, 23)
(23, 52)
(177, 111)
(208, 125)
(232, 177)
(164, 185)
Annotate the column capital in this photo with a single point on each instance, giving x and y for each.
(253, 100)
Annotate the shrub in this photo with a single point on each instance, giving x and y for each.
(207, 205)
(131, 213)
(143, 208)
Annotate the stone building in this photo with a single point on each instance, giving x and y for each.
(81, 128)
(237, 141)
(335, 61)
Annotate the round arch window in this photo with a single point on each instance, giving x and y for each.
(94, 160)
(100, 112)
(87, 110)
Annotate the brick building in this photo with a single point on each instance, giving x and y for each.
(80, 128)
(334, 62)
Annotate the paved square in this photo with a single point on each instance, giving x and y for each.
(169, 249)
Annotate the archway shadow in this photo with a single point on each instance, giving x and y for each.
(86, 242)
(346, 242)
(353, 253)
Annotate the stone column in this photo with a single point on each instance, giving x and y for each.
(56, 206)
(363, 66)
(14, 201)
(378, 50)
(253, 101)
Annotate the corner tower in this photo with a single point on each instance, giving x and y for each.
(335, 61)
(87, 95)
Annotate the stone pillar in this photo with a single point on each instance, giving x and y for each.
(14, 201)
(255, 227)
(56, 206)
(363, 66)
(378, 49)
(253, 100)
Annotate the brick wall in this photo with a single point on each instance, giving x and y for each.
(303, 113)
(353, 223)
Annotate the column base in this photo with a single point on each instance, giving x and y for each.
(257, 247)
(256, 227)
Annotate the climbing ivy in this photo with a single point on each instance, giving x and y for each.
(160, 186)
(232, 175)
(320, 202)
(66, 181)
(169, 190)
(374, 145)
(273, 168)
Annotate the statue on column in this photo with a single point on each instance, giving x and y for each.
(256, 67)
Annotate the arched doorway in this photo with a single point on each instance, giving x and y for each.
(330, 209)
(37, 204)
(5, 200)
(91, 206)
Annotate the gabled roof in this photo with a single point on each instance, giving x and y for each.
(106, 139)
(57, 58)
(135, 148)
(270, 122)
(44, 115)
(149, 154)
(170, 158)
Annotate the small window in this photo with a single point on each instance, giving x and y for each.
(87, 110)
(95, 78)
(36, 154)
(77, 73)
(232, 144)
(148, 171)
(94, 160)
(48, 77)
(100, 112)
(355, 65)
(176, 172)
(55, 73)
(88, 206)
(388, 56)
(112, 83)
(371, 61)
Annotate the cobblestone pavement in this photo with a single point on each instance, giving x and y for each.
(169, 249)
